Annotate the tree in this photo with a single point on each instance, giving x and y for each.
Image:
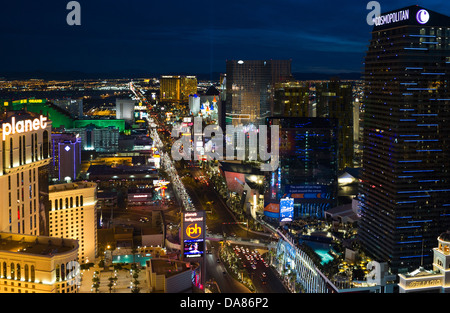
(112, 281)
(96, 281)
(136, 283)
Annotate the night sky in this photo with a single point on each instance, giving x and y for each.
(188, 36)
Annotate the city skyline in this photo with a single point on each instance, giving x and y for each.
(182, 37)
(116, 116)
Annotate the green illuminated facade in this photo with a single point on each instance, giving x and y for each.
(120, 124)
(59, 117)
(40, 106)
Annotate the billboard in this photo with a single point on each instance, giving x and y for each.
(286, 209)
(307, 191)
(193, 248)
(272, 210)
(193, 234)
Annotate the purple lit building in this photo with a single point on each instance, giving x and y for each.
(66, 163)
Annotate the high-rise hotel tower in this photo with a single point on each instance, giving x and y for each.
(249, 89)
(24, 156)
(405, 189)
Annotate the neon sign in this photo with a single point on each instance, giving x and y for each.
(23, 126)
(193, 231)
(391, 18)
(423, 16)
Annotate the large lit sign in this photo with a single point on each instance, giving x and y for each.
(432, 282)
(23, 126)
(193, 230)
(286, 209)
(391, 18)
(194, 248)
(193, 233)
(422, 16)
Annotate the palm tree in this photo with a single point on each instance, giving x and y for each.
(110, 284)
(292, 278)
(134, 251)
(96, 282)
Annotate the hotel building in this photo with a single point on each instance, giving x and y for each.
(405, 195)
(73, 215)
(66, 151)
(177, 88)
(292, 99)
(249, 89)
(38, 264)
(307, 172)
(436, 280)
(335, 100)
(24, 155)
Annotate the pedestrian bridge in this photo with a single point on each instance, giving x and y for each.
(244, 241)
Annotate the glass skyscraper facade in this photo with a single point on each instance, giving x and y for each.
(335, 100)
(249, 89)
(405, 190)
(307, 170)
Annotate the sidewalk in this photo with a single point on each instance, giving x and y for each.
(123, 283)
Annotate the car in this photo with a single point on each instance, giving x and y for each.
(263, 281)
(254, 266)
(263, 274)
(218, 260)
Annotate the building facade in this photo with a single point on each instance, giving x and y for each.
(25, 153)
(66, 161)
(38, 264)
(73, 215)
(335, 100)
(177, 88)
(405, 195)
(435, 280)
(249, 89)
(292, 99)
(307, 171)
(125, 109)
(99, 139)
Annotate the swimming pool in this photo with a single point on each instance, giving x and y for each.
(322, 250)
(128, 258)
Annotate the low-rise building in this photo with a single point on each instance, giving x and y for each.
(168, 276)
(436, 280)
(38, 264)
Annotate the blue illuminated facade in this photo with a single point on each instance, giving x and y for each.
(405, 189)
(308, 165)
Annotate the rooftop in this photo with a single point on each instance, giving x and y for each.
(71, 186)
(36, 245)
(420, 272)
(168, 267)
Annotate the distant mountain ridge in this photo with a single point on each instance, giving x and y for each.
(130, 74)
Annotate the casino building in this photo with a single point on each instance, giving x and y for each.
(308, 166)
(405, 195)
(38, 264)
(436, 280)
(73, 215)
(24, 156)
